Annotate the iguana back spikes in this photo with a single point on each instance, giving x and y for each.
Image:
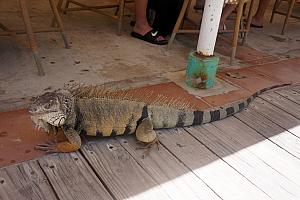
(146, 96)
(168, 117)
(218, 113)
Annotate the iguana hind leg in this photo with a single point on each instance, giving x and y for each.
(146, 135)
(72, 144)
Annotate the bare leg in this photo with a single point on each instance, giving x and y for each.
(141, 24)
(228, 9)
(258, 18)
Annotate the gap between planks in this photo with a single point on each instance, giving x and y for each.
(220, 176)
(277, 115)
(252, 156)
(25, 181)
(271, 131)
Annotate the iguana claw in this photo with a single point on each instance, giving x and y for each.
(149, 147)
(48, 147)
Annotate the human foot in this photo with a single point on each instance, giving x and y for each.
(151, 37)
(146, 33)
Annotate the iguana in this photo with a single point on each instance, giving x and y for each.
(98, 112)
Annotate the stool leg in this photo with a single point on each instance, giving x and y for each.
(121, 14)
(249, 19)
(59, 23)
(178, 22)
(276, 5)
(236, 32)
(291, 6)
(31, 36)
(186, 14)
(59, 4)
(66, 7)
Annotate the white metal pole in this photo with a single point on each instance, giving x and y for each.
(209, 27)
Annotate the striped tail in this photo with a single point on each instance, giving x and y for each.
(214, 114)
(170, 117)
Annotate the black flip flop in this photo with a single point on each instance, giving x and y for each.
(150, 37)
(255, 26)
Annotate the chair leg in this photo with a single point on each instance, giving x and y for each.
(178, 22)
(276, 5)
(121, 14)
(59, 23)
(31, 36)
(66, 7)
(186, 14)
(236, 32)
(59, 5)
(248, 24)
(291, 6)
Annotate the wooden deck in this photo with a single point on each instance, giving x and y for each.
(252, 155)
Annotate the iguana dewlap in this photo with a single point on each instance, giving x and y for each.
(108, 115)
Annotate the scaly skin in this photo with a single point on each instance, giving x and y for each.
(102, 116)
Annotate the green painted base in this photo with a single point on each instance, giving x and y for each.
(201, 71)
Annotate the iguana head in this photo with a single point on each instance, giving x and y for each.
(51, 108)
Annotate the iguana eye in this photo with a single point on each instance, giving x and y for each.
(48, 105)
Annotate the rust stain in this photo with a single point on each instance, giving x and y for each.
(3, 134)
(203, 77)
(27, 151)
(235, 75)
(202, 55)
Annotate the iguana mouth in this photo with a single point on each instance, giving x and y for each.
(59, 119)
(35, 113)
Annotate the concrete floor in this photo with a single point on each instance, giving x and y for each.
(99, 56)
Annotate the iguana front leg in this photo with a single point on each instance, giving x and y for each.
(72, 144)
(146, 135)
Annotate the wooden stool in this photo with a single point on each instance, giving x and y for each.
(287, 14)
(237, 28)
(31, 33)
(118, 15)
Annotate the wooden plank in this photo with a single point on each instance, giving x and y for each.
(24, 181)
(296, 88)
(290, 94)
(72, 178)
(276, 115)
(271, 131)
(124, 177)
(175, 178)
(239, 155)
(245, 137)
(217, 174)
(282, 103)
